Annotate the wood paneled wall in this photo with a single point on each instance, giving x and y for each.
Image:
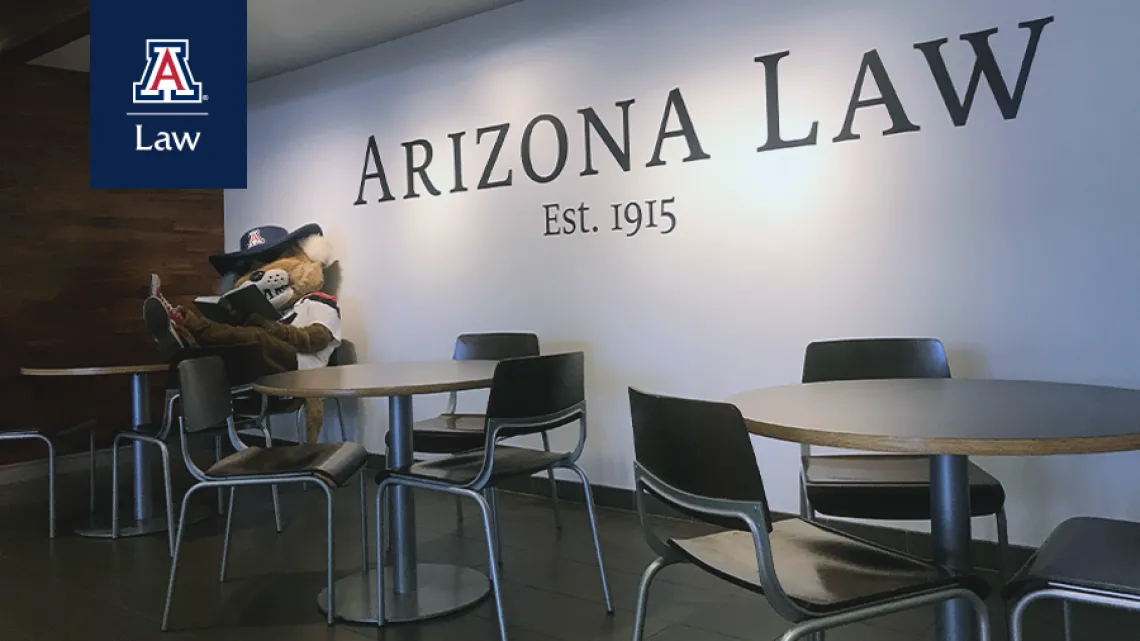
(75, 262)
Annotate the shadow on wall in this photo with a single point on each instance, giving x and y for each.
(966, 362)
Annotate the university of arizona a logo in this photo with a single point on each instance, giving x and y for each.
(255, 238)
(167, 77)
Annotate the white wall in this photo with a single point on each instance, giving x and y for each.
(1014, 241)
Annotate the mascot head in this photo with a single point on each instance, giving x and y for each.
(285, 266)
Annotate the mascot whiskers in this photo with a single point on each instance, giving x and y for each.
(288, 269)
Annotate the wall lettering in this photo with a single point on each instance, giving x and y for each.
(494, 146)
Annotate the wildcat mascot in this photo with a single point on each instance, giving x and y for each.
(288, 269)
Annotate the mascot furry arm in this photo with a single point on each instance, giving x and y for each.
(288, 269)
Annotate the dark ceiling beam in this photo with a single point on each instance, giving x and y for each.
(31, 28)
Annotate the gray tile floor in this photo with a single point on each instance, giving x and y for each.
(74, 588)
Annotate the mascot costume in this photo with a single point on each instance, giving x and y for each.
(288, 269)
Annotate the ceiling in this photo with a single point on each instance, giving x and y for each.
(289, 34)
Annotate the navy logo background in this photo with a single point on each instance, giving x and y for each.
(216, 33)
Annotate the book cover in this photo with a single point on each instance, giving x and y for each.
(239, 305)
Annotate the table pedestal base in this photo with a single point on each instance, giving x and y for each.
(99, 525)
(441, 590)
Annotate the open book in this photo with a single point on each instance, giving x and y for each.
(241, 303)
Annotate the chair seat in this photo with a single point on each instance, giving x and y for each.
(894, 487)
(335, 462)
(824, 571)
(1085, 553)
(461, 469)
(446, 434)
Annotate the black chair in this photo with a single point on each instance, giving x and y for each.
(529, 395)
(1084, 560)
(207, 402)
(697, 457)
(243, 365)
(39, 435)
(891, 486)
(452, 432)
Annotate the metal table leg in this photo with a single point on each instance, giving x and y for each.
(142, 518)
(415, 591)
(950, 497)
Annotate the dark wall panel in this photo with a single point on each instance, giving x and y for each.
(75, 262)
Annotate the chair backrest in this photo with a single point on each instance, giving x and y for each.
(875, 358)
(697, 457)
(495, 346)
(206, 393)
(701, 448)
(244, 362)
(537, 393)
(490, 346)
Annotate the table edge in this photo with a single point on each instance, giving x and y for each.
(373, 392)
(944, 445)
(107, 370)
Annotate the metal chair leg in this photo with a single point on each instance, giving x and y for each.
(553, 486)
(1003, 546)
(1067, 615)
(387, 540)
(299, 423)
(272, 488)
(226, 537)
(330, 605)
(91, 472)
(594, 528)
(174, 561)
(364, 520)
(169, 487)
(493, 503)
(115, 486)
(806, 511)
(643, 597)
(381, 527)
(221, 491)
(51, 486)
(494, 562)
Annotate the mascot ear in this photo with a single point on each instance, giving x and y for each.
(318, 249)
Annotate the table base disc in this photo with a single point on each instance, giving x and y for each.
(99, 526)
(441, 590)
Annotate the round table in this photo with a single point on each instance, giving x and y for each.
(414, 591)
(949, 419)
(142, 511)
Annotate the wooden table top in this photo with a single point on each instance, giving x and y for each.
(93, 371)
(380, 379)
(948, 416)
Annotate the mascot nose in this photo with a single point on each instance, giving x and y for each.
(256, 276)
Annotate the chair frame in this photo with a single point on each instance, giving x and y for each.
(753, 516)
(205, 482)
(1067, 595)
(807, 512)
(35, 435)
(480, 491)
(159, 440)
(450, 411)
